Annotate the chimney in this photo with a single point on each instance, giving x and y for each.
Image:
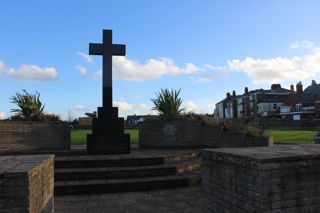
(228, 94)
(246, 90)
(275, 86)
(292, 88)
(299, 88)
(234, 93)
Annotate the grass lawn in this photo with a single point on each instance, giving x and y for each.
(79, 137)
(292, 135)
(281, 135)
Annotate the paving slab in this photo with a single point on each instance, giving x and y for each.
(186, 199)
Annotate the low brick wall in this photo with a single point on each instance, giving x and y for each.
(27, 183)
(261, 179)
(162, 134)
(20, 136)
(168, 134)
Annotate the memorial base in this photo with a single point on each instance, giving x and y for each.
(101, 144)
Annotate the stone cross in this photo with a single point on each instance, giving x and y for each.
(107, 50)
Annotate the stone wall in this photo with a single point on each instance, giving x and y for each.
(20, 136)
(162, 134)
(212, 137)
(27, 183)
(169, 133)
(261, 179)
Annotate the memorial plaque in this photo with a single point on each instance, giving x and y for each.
(169, 130)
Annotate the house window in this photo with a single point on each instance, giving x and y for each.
(274, 106)
(298, 107)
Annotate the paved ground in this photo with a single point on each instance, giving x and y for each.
(186, 199)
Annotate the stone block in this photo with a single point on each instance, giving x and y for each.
(27, 183)
(261, 179)
(108, 144)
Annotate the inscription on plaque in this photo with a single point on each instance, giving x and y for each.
(169, 130)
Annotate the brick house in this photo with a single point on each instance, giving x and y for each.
(277, 102)
(304, 105)
(251, 103)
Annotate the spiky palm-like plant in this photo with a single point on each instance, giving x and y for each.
(168, 103)
(29, 106)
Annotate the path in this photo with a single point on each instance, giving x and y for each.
(186, 199)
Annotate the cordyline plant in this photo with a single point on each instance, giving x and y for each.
(168, 103)
(29, 106)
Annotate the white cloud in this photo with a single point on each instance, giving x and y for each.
(216, 68)
(189, 106)
(280, 69)
(87, 58)
(2, 114)
(97, 74)
(83, 70)
(190, 68)
(32, 73)
(302, 44)
(29, 72)
(123, 105)
(1, 66)
(126, 108)
(143, 109)
(126, 69)
(205, 78)
(274, 70)
(79, 107)
(212, 106)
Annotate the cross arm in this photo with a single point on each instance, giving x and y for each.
(119, 49)
(95, 49)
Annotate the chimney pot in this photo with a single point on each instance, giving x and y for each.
(292, 88)
(299, 88)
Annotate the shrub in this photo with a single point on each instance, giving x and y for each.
(168, 104)
(51, 117)
(249, 129)
(30, 107)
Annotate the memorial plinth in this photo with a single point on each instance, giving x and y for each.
(107, 128)
(262, 179)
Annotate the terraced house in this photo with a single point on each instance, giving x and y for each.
(277, 102)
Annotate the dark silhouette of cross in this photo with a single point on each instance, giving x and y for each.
(107, 50)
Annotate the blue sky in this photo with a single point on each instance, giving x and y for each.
(204, 47)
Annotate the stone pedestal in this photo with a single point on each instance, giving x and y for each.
(27, 183)
(261, 179)
(108, 134)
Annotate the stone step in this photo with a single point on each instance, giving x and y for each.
(194, 177)
(63, 174)
(191, 154)
(105, 161)
(119, 185)
(185, 166)
(87, 161)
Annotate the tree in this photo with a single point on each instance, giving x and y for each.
(30, 107)
(168, 103)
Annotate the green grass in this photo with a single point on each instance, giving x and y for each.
(79, 137)
(281, 135)
(292, 136)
